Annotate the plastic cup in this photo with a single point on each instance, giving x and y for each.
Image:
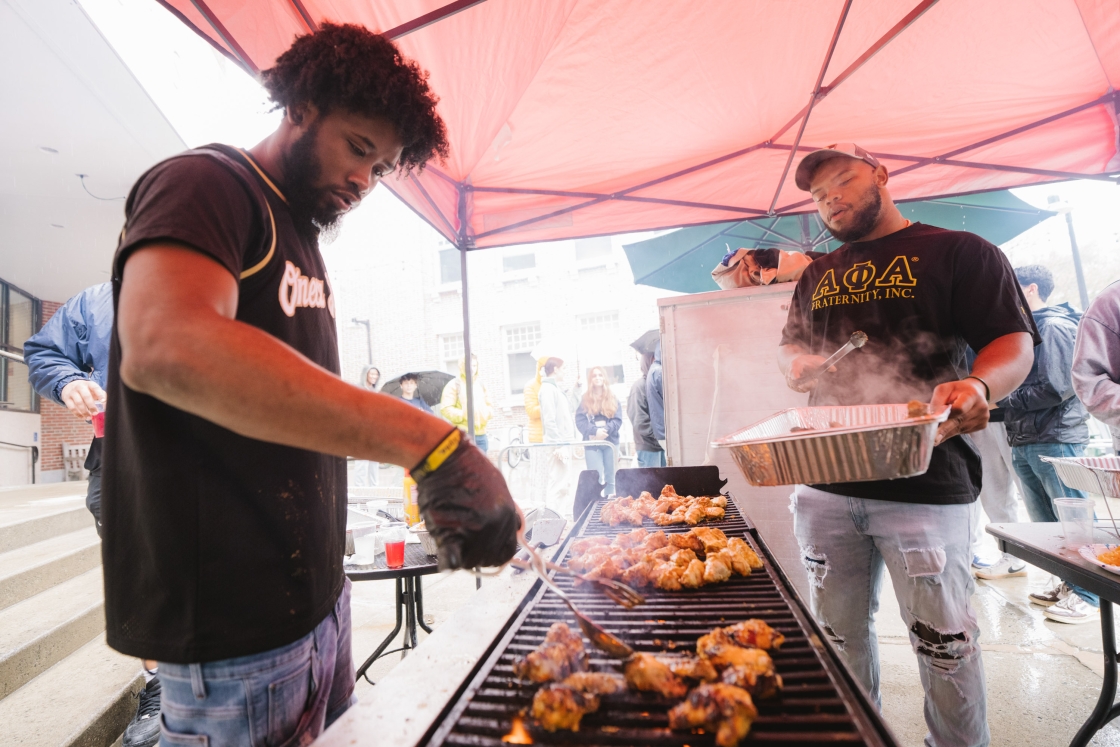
(1076, 515)
(98, 421)
(394, 548)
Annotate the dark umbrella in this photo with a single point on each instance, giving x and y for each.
(430, 385)
(647, 343)
(683, 260)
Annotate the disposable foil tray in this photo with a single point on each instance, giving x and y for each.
(1100, 475)
(844, 444)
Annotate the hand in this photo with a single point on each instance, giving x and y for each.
(468, 510)
(600, 434)
(81, 397)
(968, 408)
(802, 366)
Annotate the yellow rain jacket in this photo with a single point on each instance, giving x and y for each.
(533, 405)
(453, 402)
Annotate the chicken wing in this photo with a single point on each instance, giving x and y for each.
(686, 540)
(692, 577)
(558, 706)
(755, 674)
(631, 539)
(561, 654)
(744, 558)
(668, 492)
(719, 707)
(667, 576)
(694, 668)
(637, 575)
(710, 538)
(716, 568)
(720, 649)
(596, 683)
(646, 672)
(655, 541)
(580, 546)
(755, 633)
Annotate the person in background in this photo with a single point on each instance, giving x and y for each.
(453, 403)
(67, 361)
(1044, 417)
(650, 453)
(370, 376)
(1096, 359)
(598, 419)
(409, 384)
(556, 417)
(655, 399)
(533, 405)
(367, 474)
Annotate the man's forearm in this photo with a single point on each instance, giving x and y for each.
(1004, 363)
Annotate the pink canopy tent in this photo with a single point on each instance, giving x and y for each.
(573, 118)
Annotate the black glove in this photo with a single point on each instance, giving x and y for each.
(466, 505)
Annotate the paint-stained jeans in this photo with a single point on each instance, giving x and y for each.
(845, 544)
(285, 696)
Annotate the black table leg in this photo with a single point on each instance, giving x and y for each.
(420, 606)
(410, 615)
(1105, 710)
(389, 638)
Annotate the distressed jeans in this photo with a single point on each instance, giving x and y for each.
(283, 697)
(845, 545)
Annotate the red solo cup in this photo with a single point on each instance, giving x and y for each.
(394, 554)
(98, 421)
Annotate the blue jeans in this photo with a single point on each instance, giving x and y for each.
(601, 459)
(286, 696)
(651, 459)
(845, 545)
(1041, 486)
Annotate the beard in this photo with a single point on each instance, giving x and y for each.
(864, 216)
(310, 204)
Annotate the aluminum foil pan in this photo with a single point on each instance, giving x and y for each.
(845, 444)
(1100, 475)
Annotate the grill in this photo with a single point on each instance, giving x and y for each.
(819, 704)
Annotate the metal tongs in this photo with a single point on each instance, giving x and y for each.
(600, 638)
(857, 340)
(618, 592)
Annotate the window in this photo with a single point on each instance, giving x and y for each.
(605, 321)
(520, 365)
(20, 317)
(451, 350)
(519, 262)
(450, 270)
(591, 248)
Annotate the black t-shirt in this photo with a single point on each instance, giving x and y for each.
(922, 295)
(217, 545)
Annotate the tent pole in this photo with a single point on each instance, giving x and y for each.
(1082, 292)
(464, 244)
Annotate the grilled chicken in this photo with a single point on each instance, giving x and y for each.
(561, 654)
(631, 539)
(755, 633)
(646, 672)
(710, 538)
(717, 568)
(614, 513)
(720, 648)
(692, 577)
(725, 709)
(596, 683)
(744, 558)
(655, 541)
(558, 706)
(755, 674)
(580, 546)
(637, 575)
(694, 668)
(687, 540)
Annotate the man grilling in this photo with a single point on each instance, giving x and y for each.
(922, 295)
(224, 472)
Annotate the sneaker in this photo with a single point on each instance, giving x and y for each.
(1073, 609)
(1005, 567)
(1051, 596)
(143, 730)
(978, 562)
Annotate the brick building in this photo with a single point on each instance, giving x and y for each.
(58, 426)
(391, 269)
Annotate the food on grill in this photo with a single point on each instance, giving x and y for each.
(916, 409)
(731, 651)
(669, 509)
(647, 672)
(755, 673)
(1110, 556)
(725, 709)
(561, 654)
(694, 668)
(755, 633)
(598, 683)
(557, 706)
(688, 560)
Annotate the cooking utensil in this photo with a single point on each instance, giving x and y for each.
(618, 592)
(599, 638)
(835, 444)
(857, 340)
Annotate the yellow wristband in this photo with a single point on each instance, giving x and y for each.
(438, 455)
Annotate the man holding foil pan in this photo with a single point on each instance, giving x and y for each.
(922, 295)
(224, 471)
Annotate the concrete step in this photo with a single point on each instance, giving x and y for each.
(29, 570)
(85, 700)
(40, 631)
(30, 524)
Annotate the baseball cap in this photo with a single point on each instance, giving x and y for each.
(810, 162)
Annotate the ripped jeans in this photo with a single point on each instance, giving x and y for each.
(845, 544)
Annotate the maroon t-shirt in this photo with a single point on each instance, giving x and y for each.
(923, 295)
(217, 545)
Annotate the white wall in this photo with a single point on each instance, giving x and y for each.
(15, 463)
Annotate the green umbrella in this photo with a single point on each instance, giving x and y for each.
(683, 260)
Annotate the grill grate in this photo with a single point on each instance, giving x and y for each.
(818, 704)
(732, 524)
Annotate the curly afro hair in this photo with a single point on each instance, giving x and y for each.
(350, 68)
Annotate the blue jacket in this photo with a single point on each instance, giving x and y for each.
(1044, 409)
(655, 396)
(74, 344)
(417, 402)
(588, 424)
